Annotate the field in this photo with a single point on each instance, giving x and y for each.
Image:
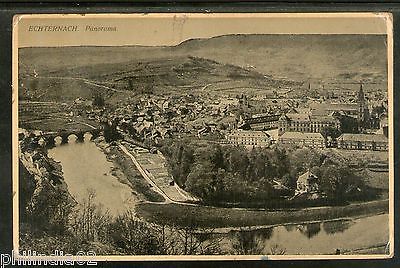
(154, 75)
(154, 166)
(51, 116)
(212, 217)
(365, 156)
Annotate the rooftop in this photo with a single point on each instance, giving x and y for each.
(327, 108)
(363, 137)
(263, 118)
(249, 133)
(306, 177)
(298, 117)
(323, 118)
(334, 106)
(301, 135)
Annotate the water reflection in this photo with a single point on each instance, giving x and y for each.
(247, 242)
(266, 233)
(333, 227)
(310, 230)
(289, 227)
(311, 238)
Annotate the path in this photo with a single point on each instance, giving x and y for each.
(145, 175)
(152, 180)
(85, 80)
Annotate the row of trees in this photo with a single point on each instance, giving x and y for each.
(225, 173)
(52, 223)
(51, 220)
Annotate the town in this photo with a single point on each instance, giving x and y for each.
(346, 122)
(182, 145)
(338, 123)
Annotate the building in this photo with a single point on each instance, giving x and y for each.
(307, 183)
(294, 122)
(363, 112)
(264, 122)
(249, 137)
(324, 109)
(374, 142)
(384, 125)
(312, 140)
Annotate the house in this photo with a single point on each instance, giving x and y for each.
(313, 140)
(308, 184)
(373, 142)
(245, 137)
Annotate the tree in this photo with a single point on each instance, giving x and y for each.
(49, 209)
(379, 110)
(348, 124)
(329, 131)
(98, 100)
(204, 182)
(338, 180)
(110, 132)
(304, 159)
(134, 237)
(90, 221)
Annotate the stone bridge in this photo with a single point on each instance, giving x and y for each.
(49, 137)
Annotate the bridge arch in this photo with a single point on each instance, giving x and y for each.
(63, 136)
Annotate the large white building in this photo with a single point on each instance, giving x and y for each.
(375, 142)
(306, 123)
(312, 140)
(249, 137)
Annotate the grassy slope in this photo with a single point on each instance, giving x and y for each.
(175, 214)
(161, 75)
(316, 56)
(298, 57)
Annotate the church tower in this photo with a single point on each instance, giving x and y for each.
(363, 112)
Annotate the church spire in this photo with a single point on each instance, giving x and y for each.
(363, 113)
(361, 93)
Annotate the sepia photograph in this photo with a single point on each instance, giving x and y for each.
(196, 136)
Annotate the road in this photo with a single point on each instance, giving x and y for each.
(85, 80)
(145, 175)
(148, 177)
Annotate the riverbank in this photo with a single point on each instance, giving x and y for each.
(234, 218)
(374, 249)
(125, 171)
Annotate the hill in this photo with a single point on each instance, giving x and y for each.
(218, 63)
(293, 56)
(299, 57)
(178, 74)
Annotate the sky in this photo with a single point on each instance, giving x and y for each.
(170, 29)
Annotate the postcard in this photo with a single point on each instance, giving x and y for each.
(203, 136)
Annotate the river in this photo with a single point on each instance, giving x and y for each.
(86, 168)
(313, 238)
